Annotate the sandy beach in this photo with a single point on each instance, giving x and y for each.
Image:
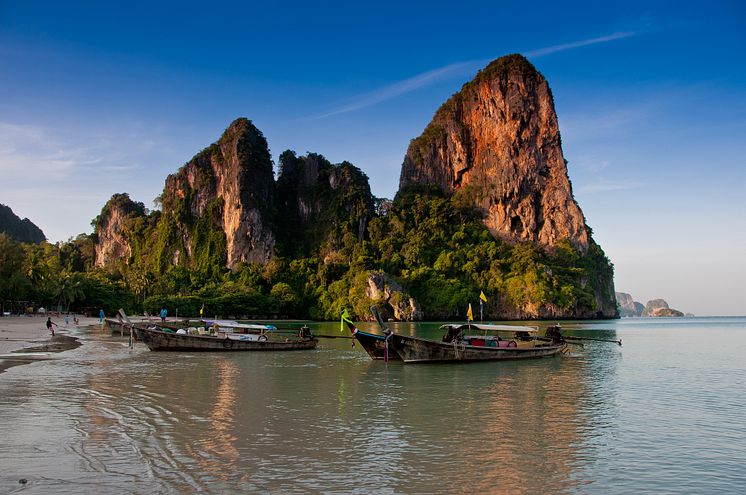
(24, 339)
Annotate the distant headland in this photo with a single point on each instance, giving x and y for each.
(628, 307)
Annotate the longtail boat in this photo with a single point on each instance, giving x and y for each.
(224, 335)
(376, 345)
(481, 343)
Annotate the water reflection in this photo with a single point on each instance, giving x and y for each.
(329, 420)
(218, 454)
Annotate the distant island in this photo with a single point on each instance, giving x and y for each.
(628, 307)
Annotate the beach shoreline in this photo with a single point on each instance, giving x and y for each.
(25, 339)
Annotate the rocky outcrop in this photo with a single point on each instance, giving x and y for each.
(660, 308)
(390, 295)
(317, 201)
(639, 308)
(232, 182)
(113, 227)
(628, 306)
(21, 230)
(654, 305)
(224, 206)
(499, 136)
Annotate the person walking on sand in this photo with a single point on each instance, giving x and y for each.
(101, 316)
(51, 325)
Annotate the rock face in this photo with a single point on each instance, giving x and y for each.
(113, 226)
(660, 308)
(225, 204)
(627, 305)
(654, 305)
(21, 230)
(314, 199)
(499, 136)
(639, 308)
(232, 181)
(385, 290)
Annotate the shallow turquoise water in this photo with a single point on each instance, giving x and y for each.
(662, 414)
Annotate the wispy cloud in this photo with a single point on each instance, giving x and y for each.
(28, 151)
(432, 76)
(577, 44)
(605, 185)
(401, 87)
(59, 176)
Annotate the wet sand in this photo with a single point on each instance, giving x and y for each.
(25, 339)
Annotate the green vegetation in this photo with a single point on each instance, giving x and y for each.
(58, 276)
(331, 235)
(20, 230)
(500, 68)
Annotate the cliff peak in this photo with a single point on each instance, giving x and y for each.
(505, 65)
(499, 137)
(228, 185)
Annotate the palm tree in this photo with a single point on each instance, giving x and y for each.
(69, 290)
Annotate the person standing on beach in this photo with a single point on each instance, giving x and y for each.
(51, 325)
(101, 316)
(164, 313)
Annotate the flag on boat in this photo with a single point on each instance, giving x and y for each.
(482, 297)
(469, 314)
(345, 318)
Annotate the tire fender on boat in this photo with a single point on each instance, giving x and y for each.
(228, 343)
(512, 343)
(262, 338)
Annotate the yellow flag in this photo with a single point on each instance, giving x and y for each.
(469, 314)
(482, 297)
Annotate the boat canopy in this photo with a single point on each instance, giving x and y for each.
(235, 324)
(494, 328)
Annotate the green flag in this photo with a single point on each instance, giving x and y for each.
(345, 317)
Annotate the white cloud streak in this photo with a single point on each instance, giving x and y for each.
(400, 88)
(432, 76)
(577, 44)
(605, 185)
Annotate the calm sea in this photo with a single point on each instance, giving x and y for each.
(665, 413)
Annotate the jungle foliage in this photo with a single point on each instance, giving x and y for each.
(436, 246)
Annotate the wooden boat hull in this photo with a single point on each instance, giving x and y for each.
(374, 345)
(417, 350)
(157, 340)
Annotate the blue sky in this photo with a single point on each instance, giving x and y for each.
(650, 96)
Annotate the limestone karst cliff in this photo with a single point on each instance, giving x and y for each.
(499, 136)
(225, 206)
(232, 183)
(114, 227)
(494, 213)
(317, 201)
(655, 307)
(497, 144)
(660, 308)
(627, 305)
